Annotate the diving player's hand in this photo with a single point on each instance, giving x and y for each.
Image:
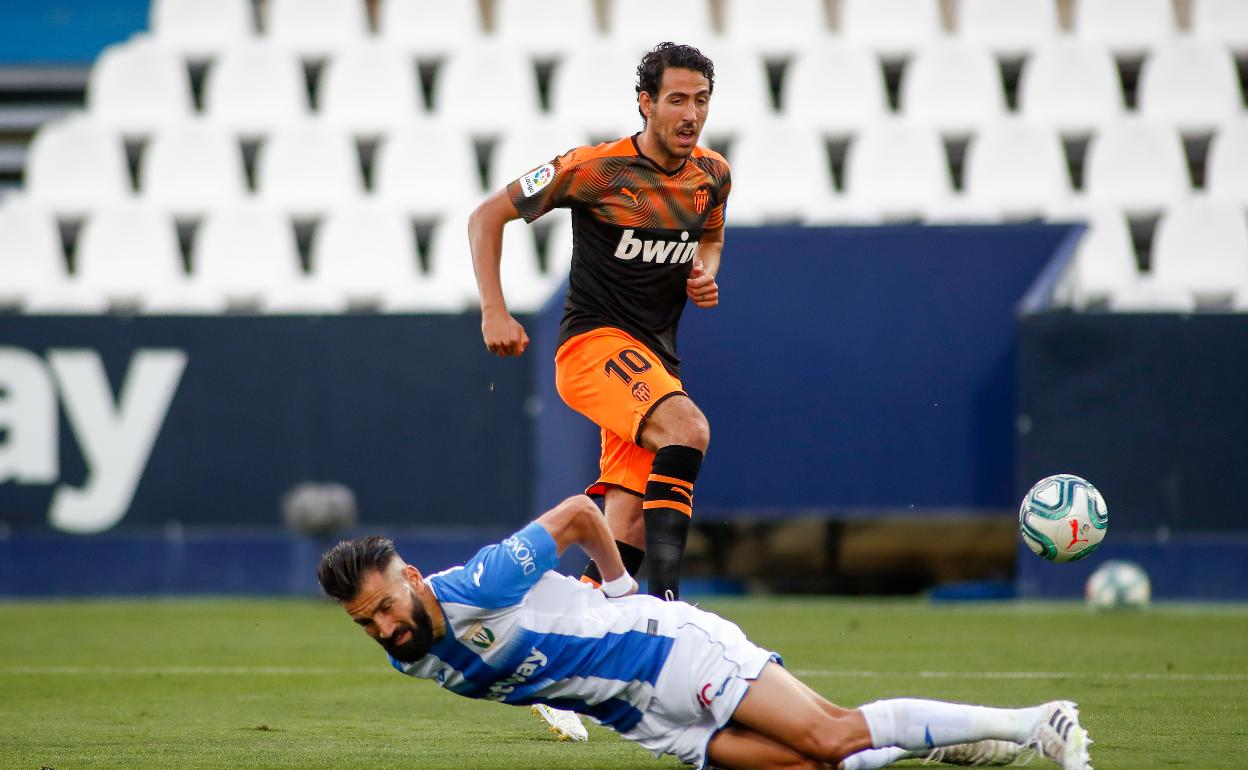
(701, 287)
(503, 334)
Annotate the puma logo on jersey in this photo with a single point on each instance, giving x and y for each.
(670, 252)
(630, 194)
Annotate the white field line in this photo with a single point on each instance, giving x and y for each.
(1104, 676)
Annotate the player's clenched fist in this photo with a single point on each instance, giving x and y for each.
(503, 334)
(701, 286)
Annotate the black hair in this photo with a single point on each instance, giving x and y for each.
(664, 55)
(344, 567)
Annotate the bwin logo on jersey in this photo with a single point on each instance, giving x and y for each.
(670, 252)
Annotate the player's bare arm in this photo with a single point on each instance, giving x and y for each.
(502, 333)
(701, 286)
(577, 521)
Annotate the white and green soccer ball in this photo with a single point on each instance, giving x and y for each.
(1063, 518)
(1118, 584)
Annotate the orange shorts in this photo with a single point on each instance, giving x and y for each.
(616, 381)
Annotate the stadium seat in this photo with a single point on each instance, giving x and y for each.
(779, 29)
(765, 190)
(1104, 261)
(427, 171)
(430, 29)
(1225, 177)
(897, 170)
(253, 88)
(74, 165)
(306, 169)
(639, 25)
(303, 296)
(371, 88)
(1225, 21)
(450, 264)
(1016, 169)
(1138, 165)
(126, 249)
(364, 249)
(316, 28)
(546, 29)
(31, 255)
(558, 245)
(1127, 27)
(1010, 29)
(138, 87)
(893, 28)
(1148, 295)
(1203, 247)
(1072, 85)
(72, 297)
(1190, 84)
(200, 29)
(525, 148)
(190, 168)
(834, 87)
(244, 250)
(952, 86)
(595, 91)
(486, 90)
(740, 97)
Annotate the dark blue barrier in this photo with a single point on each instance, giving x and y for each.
(410, 412)
(66, 31)
(848, 371)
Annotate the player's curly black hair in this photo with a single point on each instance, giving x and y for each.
(664, 55)
(344, 567)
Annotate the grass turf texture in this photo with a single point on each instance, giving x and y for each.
(213, 684)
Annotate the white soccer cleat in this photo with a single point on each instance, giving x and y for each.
(989, 753)
(1061, 738)
(565, 724)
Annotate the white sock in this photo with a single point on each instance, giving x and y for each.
(870, 759)
(912, 723)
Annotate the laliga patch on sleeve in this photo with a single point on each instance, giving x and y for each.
(536, 179)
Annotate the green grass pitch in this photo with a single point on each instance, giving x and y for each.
(289, 683)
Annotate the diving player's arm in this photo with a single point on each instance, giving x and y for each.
(701, 287)
(577, 521)
(503, 334)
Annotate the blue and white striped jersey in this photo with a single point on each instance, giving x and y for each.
(519, 633)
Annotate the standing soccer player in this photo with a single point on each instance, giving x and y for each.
(648, 230)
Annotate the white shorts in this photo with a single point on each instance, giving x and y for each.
(706, 675)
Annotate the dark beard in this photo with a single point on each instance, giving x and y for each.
(418, 642)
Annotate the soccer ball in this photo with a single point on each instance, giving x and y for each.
(1063, 518)
(1118, 584)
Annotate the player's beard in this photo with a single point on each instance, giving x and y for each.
(418, 641)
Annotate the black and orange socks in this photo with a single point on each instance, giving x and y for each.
(667, 509)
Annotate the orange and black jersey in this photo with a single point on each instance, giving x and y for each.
(635, 232)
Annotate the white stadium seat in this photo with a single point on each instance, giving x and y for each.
(639, 25)
(1016, 169)
(200, 29)
(765, 190)
(371, 88)
(1190, 84)
(427, 171)
(740, 96)
(898, 170)
(243, 251)
(72, 297)
(1138, 165)
(836, 88)
(527, 147)
(365, 249)
(558, 245)
(952, 86)
(138, 87)
(1225, 21)
(1128, 27)
(308, 168)
(486, 90)
(893, 28)
(1009, 28)
(1148, 295)
(1225, 175)
(1104, 261)
(450, 264)
(430, 29)
(74, 165)
(595, 91)
(546, 28)
(1072, 85)
(31, 255)
(1202, 247)
(316, 28)
(127, 249)
(190, 168)
(253, 88)
(780, 28)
